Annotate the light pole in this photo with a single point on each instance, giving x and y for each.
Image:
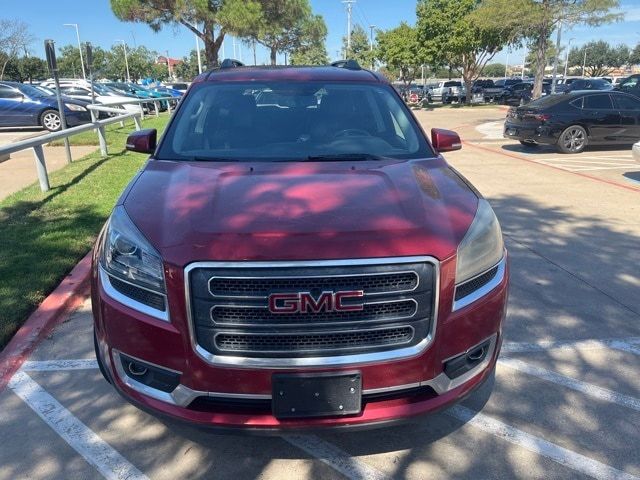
(126, 59)
(168, 63)
(524, 63)
(566, 59)
(198, 54)
(84, 75)
(349, 4)
(506, 66)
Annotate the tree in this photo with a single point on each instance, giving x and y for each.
(600, 59)
(538, 19)
(398, 50)
(69, 65)
(634, 56)
(284, 25)
(140, 60)
(209, 20)
(494, 70)
(549, 58)
(15, 38)
(451, 32)
(360, 50)
(311, 48)
(188, 69)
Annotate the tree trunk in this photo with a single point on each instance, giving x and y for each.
(541, 49)
(541, 63)
(212, 45)
(274, 51)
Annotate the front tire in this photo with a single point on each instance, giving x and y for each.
(50, 120)
(573, 139)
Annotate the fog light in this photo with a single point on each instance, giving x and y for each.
(150, 375)
(461, 364)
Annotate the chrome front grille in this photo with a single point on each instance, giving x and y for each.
(230, 315)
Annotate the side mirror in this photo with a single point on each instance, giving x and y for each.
(445, 140)
(142, 141)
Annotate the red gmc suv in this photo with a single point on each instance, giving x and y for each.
(297, 254)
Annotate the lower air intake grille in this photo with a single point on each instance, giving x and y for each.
(312, 342)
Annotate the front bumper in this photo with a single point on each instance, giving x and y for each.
(239, 398)
(74, 119)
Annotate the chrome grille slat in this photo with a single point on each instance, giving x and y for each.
(260, 287)
(251, 315)
(311, 343)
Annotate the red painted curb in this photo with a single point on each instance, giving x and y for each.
(67, 296)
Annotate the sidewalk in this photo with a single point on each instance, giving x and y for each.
(20, 170)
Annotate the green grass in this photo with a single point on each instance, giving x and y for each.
(43, 235)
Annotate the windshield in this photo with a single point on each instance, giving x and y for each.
(292, 121)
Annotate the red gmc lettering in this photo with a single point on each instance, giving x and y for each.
(305, 302)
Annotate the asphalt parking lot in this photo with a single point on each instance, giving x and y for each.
(564, 403)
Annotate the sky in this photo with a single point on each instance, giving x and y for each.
(98, 25)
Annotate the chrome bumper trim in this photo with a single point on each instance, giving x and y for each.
(182, 396)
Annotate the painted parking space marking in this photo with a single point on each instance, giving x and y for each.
(561, 455)
(568, 382)
(81, 438)
(57, 365)
(543, 346)
(351, 467)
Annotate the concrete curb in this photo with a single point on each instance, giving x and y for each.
(70, 294)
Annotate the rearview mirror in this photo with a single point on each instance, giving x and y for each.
(142, 141)
(445, 140)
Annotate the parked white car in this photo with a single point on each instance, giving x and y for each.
(81, 90)
(636, 151)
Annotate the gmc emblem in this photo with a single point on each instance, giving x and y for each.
(304, 302)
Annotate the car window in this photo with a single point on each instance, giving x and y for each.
(629, 82)
(598, 102)
(627, 102)
(291, 121)
(7, 92)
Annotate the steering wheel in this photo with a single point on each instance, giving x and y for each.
(351, 132)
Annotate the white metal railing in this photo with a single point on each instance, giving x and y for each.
(36, 143)
(139, 101)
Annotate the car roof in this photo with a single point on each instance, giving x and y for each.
(290, 74)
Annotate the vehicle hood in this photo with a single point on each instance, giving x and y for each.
(299, 211)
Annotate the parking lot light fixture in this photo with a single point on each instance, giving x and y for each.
(75, 25)
(126, 60)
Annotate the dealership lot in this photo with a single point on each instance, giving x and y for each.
(565, 401)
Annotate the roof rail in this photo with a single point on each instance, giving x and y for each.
(231, 63)
(348, 64)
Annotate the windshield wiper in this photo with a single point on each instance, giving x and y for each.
(339, 157)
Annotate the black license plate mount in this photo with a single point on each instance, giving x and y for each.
(316, 395)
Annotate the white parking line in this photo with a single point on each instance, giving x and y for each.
(543, 346)
(626, 347)
(57, 365)
(563, 456)
(93, 449)
(339, 460)
(582, 387)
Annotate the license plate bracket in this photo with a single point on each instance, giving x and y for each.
(316, 395)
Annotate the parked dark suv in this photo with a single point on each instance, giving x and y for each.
(297, 253)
